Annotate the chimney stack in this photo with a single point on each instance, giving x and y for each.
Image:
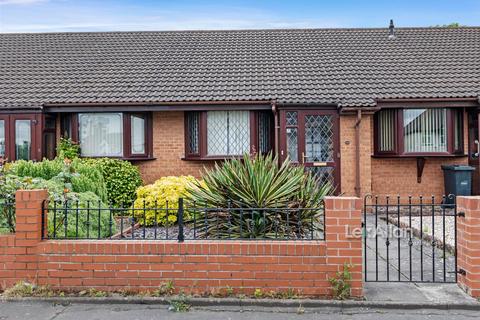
(391, 30)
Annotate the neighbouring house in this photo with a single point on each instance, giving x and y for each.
(372, 110)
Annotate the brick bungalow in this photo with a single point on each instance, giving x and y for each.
(372, 110)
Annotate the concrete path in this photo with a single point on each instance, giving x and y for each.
(442, 293)
(410, 261)
(406, 258)
(49, 311)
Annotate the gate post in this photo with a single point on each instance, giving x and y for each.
(468, 244)
(343, 235)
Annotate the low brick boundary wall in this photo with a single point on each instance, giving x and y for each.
(193, 266)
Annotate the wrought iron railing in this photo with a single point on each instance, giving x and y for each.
(75, 220)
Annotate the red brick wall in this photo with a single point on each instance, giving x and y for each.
(195, 266)
(169, 149)
(468, 244)
(348, 158)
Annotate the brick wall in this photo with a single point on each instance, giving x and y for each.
(195, 266)
(347, 152)
(169, 149)
(468, 244)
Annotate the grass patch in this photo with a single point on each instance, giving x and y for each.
(26, 289)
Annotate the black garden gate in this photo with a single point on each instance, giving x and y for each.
(410, 239)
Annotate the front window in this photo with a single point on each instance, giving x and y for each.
(137, 134)
(419, 131)
(217, 134)
(228, 133)
(114, 134)
(101, 134)
(425, 130)
(23, 139)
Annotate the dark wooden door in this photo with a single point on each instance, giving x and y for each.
(474, 150)
(311, 138)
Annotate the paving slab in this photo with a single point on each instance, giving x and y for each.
(442, 293)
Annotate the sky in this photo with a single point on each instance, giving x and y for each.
(135, 15)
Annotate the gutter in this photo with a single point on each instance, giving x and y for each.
(358, 189)
(156, 106)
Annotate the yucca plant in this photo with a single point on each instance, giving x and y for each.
(255, 197)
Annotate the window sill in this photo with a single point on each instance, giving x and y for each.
(121, 158)
(211, 158)
(424, 155)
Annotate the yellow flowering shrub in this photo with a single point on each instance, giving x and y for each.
(157, 195)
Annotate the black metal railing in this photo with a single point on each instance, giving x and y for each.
(180, 221)
(410, 239)
(7, 214)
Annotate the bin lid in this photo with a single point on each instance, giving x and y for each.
(457, 167)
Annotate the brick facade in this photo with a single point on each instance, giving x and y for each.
(379, 176)
(193, 266)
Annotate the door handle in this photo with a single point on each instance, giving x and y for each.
(477, 143)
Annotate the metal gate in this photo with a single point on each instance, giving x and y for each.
(410, 239)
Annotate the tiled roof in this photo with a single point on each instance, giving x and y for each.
(351, 67)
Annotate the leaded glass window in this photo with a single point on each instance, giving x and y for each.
(228, 133)
(193, 129)
(264, 132)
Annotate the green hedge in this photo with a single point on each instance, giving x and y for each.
(121, 177)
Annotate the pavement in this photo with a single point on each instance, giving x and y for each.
(44, 310)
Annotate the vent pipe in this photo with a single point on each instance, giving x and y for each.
(391, 30)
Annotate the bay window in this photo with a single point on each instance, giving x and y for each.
(427, 131)
(219, 134)
(113, 134)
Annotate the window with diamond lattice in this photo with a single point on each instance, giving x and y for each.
(193, 136)
(228, 133)
(291, 119)
(318, 138)
(264, 130)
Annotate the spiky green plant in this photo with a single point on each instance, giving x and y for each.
(255, 197)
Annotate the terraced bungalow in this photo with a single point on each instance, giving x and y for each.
(372, 110)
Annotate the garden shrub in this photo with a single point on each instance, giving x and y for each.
(121, 179)
(166, 190)
(67, 148)
(82, 176)
(259, 182)
(87, 223)
(46, 169)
